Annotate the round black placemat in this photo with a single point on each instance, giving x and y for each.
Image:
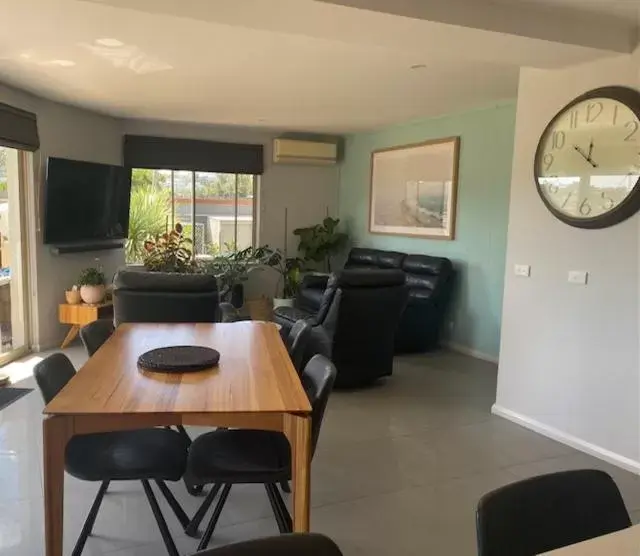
(179, 359)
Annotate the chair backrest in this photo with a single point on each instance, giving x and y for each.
(140, 296)
(297, 342)
(94, 334)
(296, 544)
(317, 379)
(52, 374)
(548, 512)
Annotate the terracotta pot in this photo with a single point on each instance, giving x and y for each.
(72, 297)
(92, 295)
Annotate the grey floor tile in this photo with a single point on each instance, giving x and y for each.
(398, 471)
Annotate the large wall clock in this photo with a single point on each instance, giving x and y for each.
(587, 165)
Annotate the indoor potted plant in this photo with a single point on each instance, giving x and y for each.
(169, 252)
(92, 285)
(289, 270)
(232, 270)
(320, 242)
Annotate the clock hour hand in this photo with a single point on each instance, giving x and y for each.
(585, 156)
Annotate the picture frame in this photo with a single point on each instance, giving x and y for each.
(414, 189)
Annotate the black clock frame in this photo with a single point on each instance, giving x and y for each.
(631, 204)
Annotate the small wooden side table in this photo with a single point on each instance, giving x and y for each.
(79, 315)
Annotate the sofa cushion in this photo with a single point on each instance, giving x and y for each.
(371, 277)
(364, 257)
(426, 265)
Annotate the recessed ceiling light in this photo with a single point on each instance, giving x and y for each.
(62, 63)
(112, 43)
(418, 66)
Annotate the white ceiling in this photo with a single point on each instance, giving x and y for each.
(326, 65)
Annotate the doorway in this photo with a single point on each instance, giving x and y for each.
(14, 320)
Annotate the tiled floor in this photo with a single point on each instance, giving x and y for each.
(398, 471)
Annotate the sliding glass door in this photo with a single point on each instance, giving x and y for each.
(14, 340)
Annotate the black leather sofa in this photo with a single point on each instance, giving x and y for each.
(430, 282)
(356, 323)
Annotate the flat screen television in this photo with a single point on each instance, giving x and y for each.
(85, 202)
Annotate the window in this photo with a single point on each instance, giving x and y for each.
(216, 210)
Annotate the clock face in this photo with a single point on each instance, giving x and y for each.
(588, 160)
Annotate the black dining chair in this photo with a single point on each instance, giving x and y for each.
(295, 544)
(143, 455)
(96, 333)
(235, 456)
(297, 342)
(549, 512)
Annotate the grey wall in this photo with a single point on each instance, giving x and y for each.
(569, 356)
(71, 133)
(307, 191)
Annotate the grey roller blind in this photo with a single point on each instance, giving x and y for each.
(141, 151)
(18, 129)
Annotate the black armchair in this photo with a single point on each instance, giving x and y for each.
(164, 297)
(549, 512)
(357, 329)
(143, 455)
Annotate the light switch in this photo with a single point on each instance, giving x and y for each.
(522, 270)
(578, 277)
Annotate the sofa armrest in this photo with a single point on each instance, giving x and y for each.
(315, 281)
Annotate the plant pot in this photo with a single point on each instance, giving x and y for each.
(282, 302)
(72, 297)
(92, 295)
(237, 295)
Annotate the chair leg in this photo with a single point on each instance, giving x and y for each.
(208, 533)
(286, 516)
(91, 519)
(192, 527)
(285, 486)
(162, 524)
(183, 518)
(277, 511)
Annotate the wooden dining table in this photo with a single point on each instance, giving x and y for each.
(621, 543)
(254, 386)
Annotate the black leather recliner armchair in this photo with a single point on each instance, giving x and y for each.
(356, 325)
(140, 296)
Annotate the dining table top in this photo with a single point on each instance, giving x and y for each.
(254, 374)
(621, 543)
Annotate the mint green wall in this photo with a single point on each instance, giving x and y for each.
(478, 252)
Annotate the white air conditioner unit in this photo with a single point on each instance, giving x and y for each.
(298, 151)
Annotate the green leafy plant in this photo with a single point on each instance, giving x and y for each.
(91, 276)
(148, 216)
(289, 269)
(169, 252)
(234, 267)
(320, 242)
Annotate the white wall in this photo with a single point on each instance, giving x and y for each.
(307, 191)
(70, 133)
(569, 358)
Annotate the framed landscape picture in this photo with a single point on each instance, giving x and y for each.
(413, 189)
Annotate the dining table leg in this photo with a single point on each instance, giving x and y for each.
(56, 432)
(298, 432)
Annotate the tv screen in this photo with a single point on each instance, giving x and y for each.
(85, 202)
